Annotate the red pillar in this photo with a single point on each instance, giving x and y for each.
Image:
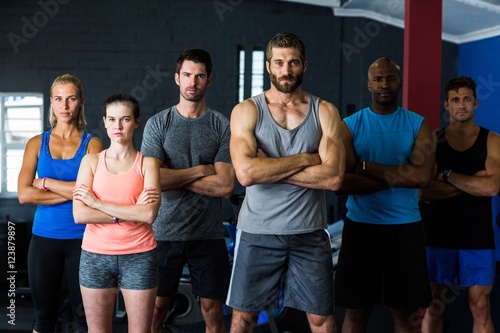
(422, 58)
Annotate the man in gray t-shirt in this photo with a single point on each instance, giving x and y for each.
(191, 143)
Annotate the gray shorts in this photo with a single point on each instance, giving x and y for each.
(137, 271)
(302, 261)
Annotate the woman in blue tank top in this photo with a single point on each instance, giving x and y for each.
(47, 178)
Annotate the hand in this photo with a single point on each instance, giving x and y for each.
(148, 195)
(84, 194)
(208, 170)
(37, 183)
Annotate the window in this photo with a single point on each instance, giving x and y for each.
(241, 83)
(251, 75)
(257, 72)
(21, 117)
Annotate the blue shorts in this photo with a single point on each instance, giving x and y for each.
(461, 267)
(302, 261)
(137, 271)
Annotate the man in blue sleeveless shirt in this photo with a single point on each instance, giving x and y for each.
(389, 155)
(286, 150)
(460, 240)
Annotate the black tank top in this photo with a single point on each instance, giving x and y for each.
(463, 221)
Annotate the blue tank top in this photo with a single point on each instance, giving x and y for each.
(385, 139)
(56, 221)
(280, 208)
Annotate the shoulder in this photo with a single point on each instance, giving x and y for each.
(494, 138)
(325, 105)
(328, 113)
(412, 114)
(217, 115)
(247, 104)
(36, 140)
(357, 115)
(90, 160)
(158, 117)
(247, 109)
(91, 157)
(95, 145)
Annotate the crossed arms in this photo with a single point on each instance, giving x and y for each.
(415, 173)
(485, 183)
(321, 170)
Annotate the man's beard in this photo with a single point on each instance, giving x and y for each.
(193, 98)
(287, 87)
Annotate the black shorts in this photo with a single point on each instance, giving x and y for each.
(384, 264)
(207, 261)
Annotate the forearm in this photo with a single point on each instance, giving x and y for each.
(105, 212)
(36, 196)
(212, 186)
(172, 179)
(84, 214)
(62, 188)
(481, 186)
(438, 190)
(267, 170)
(355, 183)
(405, 175)
(321, 177)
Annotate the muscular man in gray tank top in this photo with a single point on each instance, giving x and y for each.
(286, 150)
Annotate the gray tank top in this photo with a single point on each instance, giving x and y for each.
(280, 208)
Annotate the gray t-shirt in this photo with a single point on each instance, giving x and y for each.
(182, 143)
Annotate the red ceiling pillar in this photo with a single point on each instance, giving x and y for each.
(422, 58)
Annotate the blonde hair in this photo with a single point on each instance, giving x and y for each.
(64, 79)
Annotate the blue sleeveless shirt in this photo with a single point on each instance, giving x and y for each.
(385, 139)
(56, 221)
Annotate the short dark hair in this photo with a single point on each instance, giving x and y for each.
(460, 82)
(197, 56)
(286, 39)
(127, 99)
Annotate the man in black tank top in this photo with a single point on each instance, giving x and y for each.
(457, 214)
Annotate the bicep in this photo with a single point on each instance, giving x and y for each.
(85, 172)
(243, 143)
(331, 148)
(151, 173)
(492, 164)
(423, 153)
(95, 146)
(29, 165)
(347, 140)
